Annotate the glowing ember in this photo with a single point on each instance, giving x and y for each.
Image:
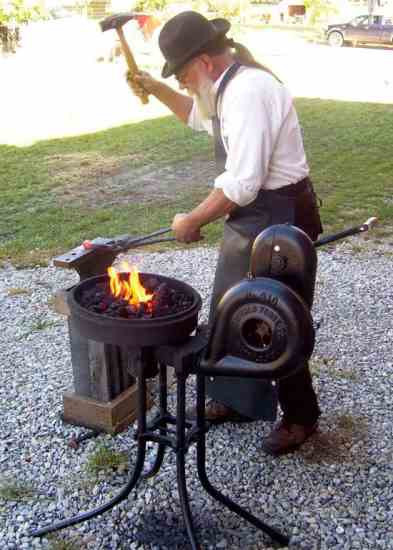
(130, 289)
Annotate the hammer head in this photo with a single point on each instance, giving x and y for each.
(116, 21)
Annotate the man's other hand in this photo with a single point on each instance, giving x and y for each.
(185, 230)
(141, 83)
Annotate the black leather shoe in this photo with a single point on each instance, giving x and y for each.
(286, 437)
(218, 413)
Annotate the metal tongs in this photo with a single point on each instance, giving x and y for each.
(122, 243)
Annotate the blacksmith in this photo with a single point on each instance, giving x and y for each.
(262, 180)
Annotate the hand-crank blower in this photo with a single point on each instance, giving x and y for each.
(263, 326)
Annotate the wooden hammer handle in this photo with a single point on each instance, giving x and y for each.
(133, 67)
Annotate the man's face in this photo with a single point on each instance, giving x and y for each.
(189, 76)
(195, 77)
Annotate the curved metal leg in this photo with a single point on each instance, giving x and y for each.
(202, 474)
(131, 483)
(98, 511)
(180, 460)
(163, 411)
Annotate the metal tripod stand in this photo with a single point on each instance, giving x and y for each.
(185, 361)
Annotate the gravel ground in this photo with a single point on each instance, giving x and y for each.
(334, 493)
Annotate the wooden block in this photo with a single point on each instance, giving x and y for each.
(60, 304)
(111, 417)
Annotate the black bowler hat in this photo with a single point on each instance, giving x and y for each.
(185, 35)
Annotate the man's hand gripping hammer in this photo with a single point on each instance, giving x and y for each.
(116, 22)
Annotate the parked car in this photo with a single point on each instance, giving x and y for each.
(374, 29)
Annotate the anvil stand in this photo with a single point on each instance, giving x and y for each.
(185, 360)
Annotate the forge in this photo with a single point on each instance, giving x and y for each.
(262, 329)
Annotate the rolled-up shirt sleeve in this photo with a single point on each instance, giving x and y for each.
(250, 125)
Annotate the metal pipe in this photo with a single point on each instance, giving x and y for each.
(180, 459)
(347, 232)
(161, 423)
(209, 488)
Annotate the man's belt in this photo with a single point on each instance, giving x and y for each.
(295, 188)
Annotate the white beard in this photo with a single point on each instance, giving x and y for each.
(205, 99)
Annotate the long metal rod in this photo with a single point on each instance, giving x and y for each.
(134, 478)
(152, 241)
(202, 474)
(134, 240)
(347, 232)
(124, 243)
(180, 459)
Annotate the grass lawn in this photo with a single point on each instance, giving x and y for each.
(49, 190)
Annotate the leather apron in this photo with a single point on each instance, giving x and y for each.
(256, 399)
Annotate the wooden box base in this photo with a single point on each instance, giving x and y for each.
(111, 417)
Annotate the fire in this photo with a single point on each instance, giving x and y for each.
(132, 289)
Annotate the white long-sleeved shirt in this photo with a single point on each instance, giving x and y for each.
(261, 135)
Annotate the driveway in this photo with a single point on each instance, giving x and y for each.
(55, 87)
(318, 70)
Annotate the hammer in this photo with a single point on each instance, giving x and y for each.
(116, 22)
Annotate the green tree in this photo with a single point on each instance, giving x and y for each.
(17, 12)
(150, 5)
(319, 9)
(228, 8)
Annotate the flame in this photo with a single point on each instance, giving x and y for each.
(132, 289)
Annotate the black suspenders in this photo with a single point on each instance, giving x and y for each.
(219, 149)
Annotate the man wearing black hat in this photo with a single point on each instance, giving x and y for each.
(262, 180)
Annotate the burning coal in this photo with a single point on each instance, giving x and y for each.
(133, 295)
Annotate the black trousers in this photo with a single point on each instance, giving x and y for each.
(297, 397)
(296, 205)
